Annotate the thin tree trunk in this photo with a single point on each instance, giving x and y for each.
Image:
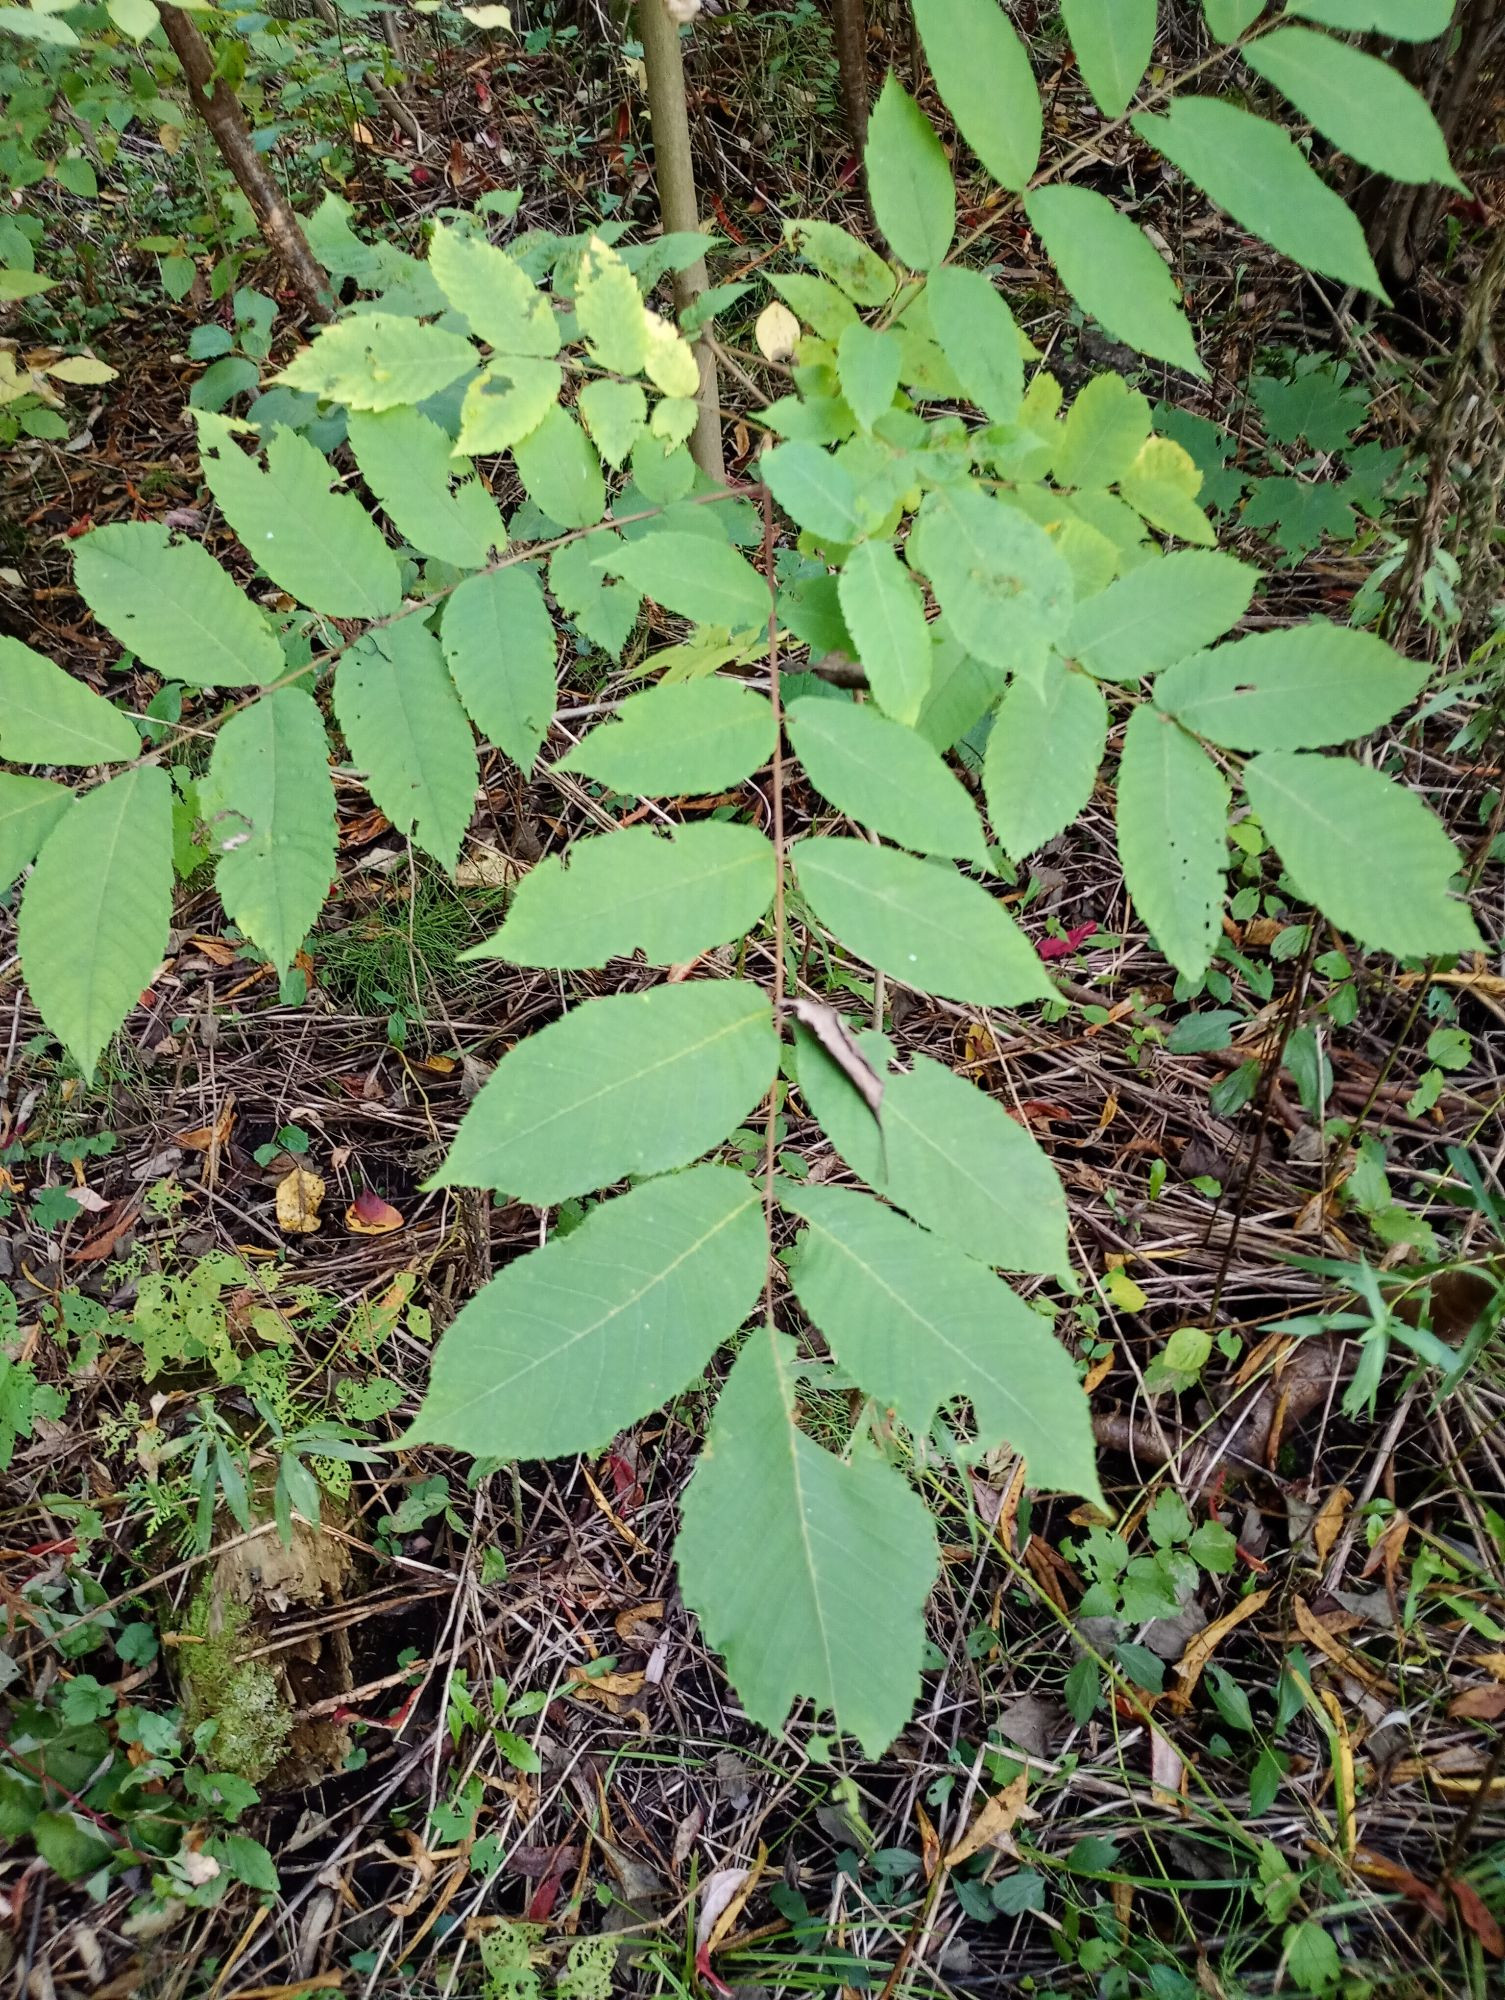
(217, 104)
(674, 173)
(849, 28)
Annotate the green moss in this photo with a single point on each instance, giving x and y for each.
(241, 1696)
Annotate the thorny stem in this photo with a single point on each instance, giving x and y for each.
(776, 800)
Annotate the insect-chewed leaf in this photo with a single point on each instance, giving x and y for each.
(795, 1561)
(406, 729)
(495, 294)
(1041, 759)
(922, 921)
(884, 776)
(598, 1328)
(701, 579)
(558, 465)
(947, 1154)
(885, 615)
(322, 548)
(29, 809)
(1004, 586)
(409, 464)
(1365, 106)
(95, 910)
(1301, 688)
(1114, 272)
(507, 402)
(917, 1322)
(269, 802)
(632, 1084)
(1365, 850)
(499, 645)
(617, 893)
(696, 736)
(1258, 174)
(1172, 837)
(982, 71)
(978, 337)
(377, 361)
(1113, 41)
(909, 179)
(173, 605)
(48, 717)
(1159, 613)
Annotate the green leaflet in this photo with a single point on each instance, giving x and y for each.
(95, 910)
(858, 271)
(909, 179)
(614, 413)
(633, 1084)
(982, 71)
(918, 1323)
(795, 1560)
(407, 731)
(921, 921)
(867, 364)
(1258, 174)
(1162, 485)
(1113, 41)
(617, 893)
(598, 1328)
(1405, 20)
(29, 809)
(378, 361)
(1297, 689)
(703, 580)
(946, 1153)
(494, 293)
(174, 607)
(1159, 614)
(820, 304)
(961, 692)
(322, 548)
(609, 308)
(1042, 756)
(885, 777)
(1227, 19)
(1365, 106)
(815, 490)
(558, 465)
(978, 337)
(499, 645)
(1004, 586)
(885, 615)
(1114, 272)
(431, 497)
(269, 804)
(506, 402)
(1365, 850)
(1104, 433)
(696, 736)
(47, 717)
(1172, 838)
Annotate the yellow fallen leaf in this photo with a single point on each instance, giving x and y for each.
(994, 1823)
(1330, 1517)
(1201, 1649)
(777, 332)
(298, 1196)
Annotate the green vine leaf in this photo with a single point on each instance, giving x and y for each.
(921, 921)
(1298, 689)
(407, 731)
(96, 909)
(794, 1559)
(918, 1324)
(47, 717)
(698, 736)
(599, 1328)
(1172, 838)
(633, 1084)
(174, 607)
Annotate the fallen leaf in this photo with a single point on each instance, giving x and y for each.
(1479, 1704)
(1476, 1913)
(1380, 1868)
(299, 1194)
(369, 1215)
(1330, 1518)
(1492, 1663)
(1167, 1771)
(1343, 1776)
(1312, 1628)
(488, 868)
(930, 1842)
(204, 1137)
(638, 1614)
(994, 1823)
(1063, 947)
(777, 332)
(723, 1895)
(830, 1029)
(1206, 1643)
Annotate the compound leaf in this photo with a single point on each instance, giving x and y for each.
(1404, 20)
(1172, 837)
(1365, 850)
(1297, 689)
(598, 1328)
(922, 921)
(885, 777)
(795, 1560)
(609, 308)
(269, 803)
(494, 293)
(1003, 584)
(47, 717)
(636, 890)
(885, 615)
(978, 337)
(1041, 759)
(1114, 272)
(632, 1084)
(694, 736)
(558, 465)
(95, 910)
(407, 731)
(704, 580)
(499, 645)
(814, 489)
(174, 607)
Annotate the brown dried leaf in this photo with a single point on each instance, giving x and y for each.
(1479, 1704)
(1476, 1913)
(994, 1823)
(1311, 1627)
(637, 1614)
(1206, 1643)
(299, 1194)
(1330, 1518)
(830, 1029)
(369, 1215)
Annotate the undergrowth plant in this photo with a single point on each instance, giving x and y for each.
(967, 549)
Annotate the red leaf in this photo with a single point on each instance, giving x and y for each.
(1064, 947)
(369, 1215)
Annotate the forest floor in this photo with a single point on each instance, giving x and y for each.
(481, 1725)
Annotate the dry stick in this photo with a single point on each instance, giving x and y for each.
(849, 30)
(382, 92)
(220, 110)
(674, 175)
